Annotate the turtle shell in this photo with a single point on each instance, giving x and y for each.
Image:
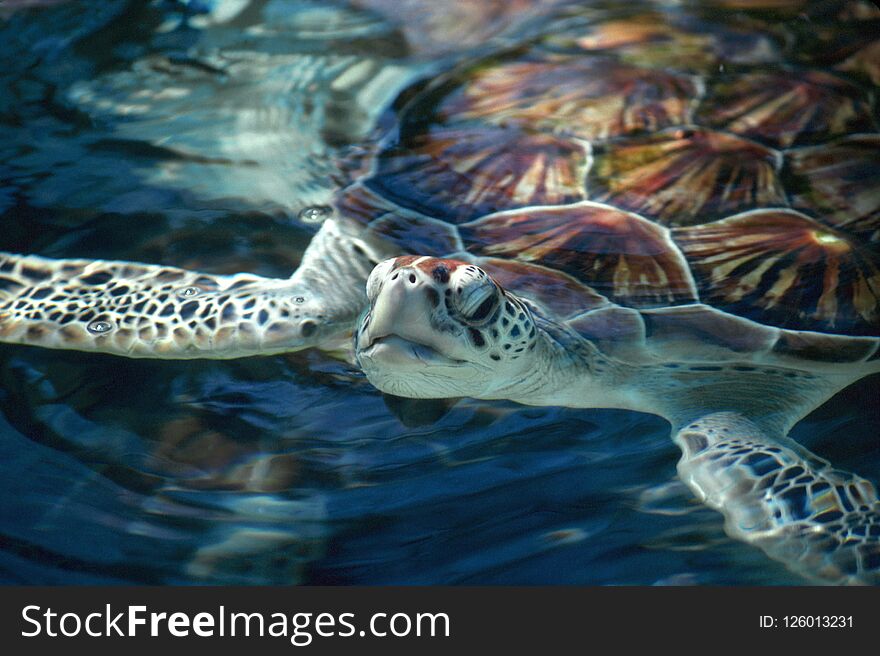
(650, 162)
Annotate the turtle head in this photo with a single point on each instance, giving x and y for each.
(439, 328)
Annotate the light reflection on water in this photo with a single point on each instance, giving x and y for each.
(125, 134)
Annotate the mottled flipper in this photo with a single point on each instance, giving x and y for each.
(773, 493)
(152, 311)
(143, 310)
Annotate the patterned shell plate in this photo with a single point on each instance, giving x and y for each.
(654, 160)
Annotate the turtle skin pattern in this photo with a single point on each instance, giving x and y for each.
(820, 521)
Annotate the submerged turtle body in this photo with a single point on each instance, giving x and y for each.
(689, 241)
(653, 211)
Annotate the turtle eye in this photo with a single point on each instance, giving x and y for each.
(377, 277)
(476, 300)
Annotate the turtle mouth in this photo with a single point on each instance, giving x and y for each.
(393, 349)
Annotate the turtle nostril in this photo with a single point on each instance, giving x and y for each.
(441, 274)
(412, 277)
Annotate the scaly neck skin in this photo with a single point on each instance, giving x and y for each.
(771, 397)
(567, 370)
(570, 371)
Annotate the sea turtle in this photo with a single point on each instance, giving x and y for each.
(655, 211)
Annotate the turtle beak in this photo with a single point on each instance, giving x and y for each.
(397, 331)
(400, 308)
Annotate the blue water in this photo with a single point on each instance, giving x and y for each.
(193, 133)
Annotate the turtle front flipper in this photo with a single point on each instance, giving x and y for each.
(821, 522)
(153, 311)
(143, 310)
